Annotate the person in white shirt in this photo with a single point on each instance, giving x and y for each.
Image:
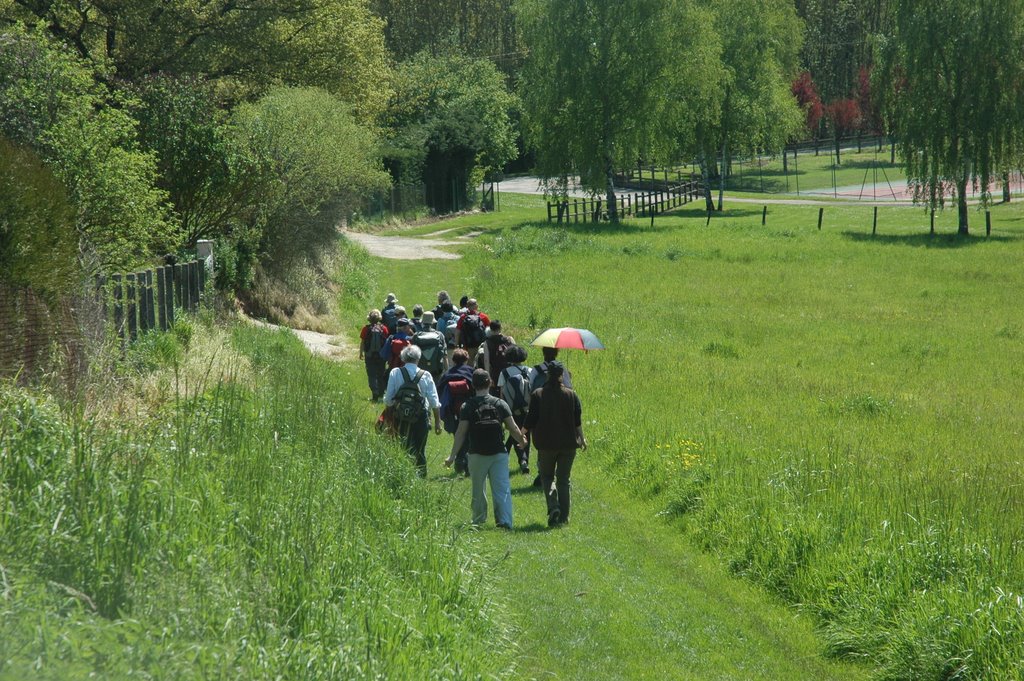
(416, 428)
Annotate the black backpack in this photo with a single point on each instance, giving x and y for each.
(473, 333)
(432, 359)
(376, 335)
(485, 430)
(516, 391)
(541, 377)
(409, 406)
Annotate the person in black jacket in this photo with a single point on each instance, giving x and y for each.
(555, 425)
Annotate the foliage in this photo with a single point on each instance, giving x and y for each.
(210, 182)
(953, 105)
(844, 118)
(838, 40)
(50, 102)
(37, 227)
(760, 45)
(312, 162)
(870, 116)
(450, 115)
(335, 44)
(806, 93)
(475, 28)
(595, 86)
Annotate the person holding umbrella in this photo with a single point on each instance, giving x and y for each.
(554, 423)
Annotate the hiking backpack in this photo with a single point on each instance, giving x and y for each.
(498, 359)
(541, 378)
(459, 390)
(409, 406)
(446, 324)
(516, 391)
(376, 336)
(392, 352)
(390, 319)
(473, 333)
(486, 428)
(432, 359)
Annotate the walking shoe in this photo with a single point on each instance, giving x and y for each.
(554, 518)
(524, 468)
(537, 482)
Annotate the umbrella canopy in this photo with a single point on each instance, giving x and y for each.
(579, 339)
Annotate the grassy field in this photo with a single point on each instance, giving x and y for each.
(225, 514)
(834, 415)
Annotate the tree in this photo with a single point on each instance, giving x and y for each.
(334, 44)
(313, 163)
(450, 123)
(51, 102)
(952, 75)
(844, 118)
(593, 87)
(807, 98)
(760, 44)
(37, 225)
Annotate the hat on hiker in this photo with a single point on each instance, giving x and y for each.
(402, 322)
(391, 298)
(374, 316)
(427, 320)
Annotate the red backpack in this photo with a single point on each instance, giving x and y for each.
(459, 390)
(397, 345)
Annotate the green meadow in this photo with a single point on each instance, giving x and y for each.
(834, 415)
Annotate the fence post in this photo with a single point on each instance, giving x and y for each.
(988, 223)
(549, 211)
(140, 278)
(821, 212)
(150, 301)
(118, 305)
(194, 283)
(133, 313)
(874, 222)
(764, 216)
(161, 301)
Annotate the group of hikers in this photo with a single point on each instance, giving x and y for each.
(454, 363)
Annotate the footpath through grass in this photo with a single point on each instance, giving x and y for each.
(830, 413)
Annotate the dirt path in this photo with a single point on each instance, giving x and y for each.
(409, 248)
(336, 348)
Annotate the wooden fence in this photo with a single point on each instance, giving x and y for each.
(143, 301)
(629, 205)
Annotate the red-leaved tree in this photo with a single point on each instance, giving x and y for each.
(806, 93)
(870, 116)
(843, 116)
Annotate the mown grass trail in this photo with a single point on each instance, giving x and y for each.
(831, 413)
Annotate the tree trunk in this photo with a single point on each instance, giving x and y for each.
(961, 204)
(709, 202)
(722, 170)
(1006, 187)
(613, 207)
(838, 162)
(785, 161)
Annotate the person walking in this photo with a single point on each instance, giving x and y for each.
(471, 329)
(481, 421)
(454, 388)
(372, 338)
(389, 313)
(514, 388)
(554, 423)
(494, 349)
(413, 396)
(539, 373)
(431, 343)
(393, 346)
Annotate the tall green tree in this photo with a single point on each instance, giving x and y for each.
(953, 89)
(593, 87)
(449, 124)
(51, 102)
(760, 48)
(337, 45)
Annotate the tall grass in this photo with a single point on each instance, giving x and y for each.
(836, 416)
(241, 529)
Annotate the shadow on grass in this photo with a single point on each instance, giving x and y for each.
(532, 527)
(926, 240)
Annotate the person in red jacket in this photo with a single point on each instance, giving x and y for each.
(471, 329)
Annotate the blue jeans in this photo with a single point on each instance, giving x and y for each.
(495, 467)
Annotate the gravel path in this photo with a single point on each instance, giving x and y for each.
(409, 248)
